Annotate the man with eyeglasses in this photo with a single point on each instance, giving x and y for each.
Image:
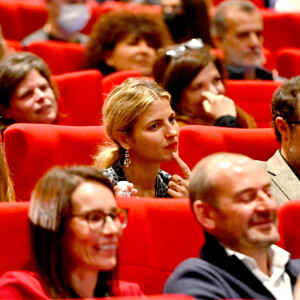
(231, 198)
(284, 166)
(236, 29)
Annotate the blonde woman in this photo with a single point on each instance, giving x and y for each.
(141, 123)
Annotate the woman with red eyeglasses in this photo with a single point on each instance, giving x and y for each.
(75, 229)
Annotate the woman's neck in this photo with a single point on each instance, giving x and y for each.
(84, 282)
(143, 176)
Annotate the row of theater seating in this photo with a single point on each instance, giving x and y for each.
(160, 234)
(83, 93)
(27, 17)
(71, 57)
(31, 149)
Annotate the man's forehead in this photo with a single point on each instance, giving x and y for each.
(233, 166)
(235, 16)
(240, 174)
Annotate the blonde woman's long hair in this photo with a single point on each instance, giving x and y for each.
(120, 110)
(7, 193)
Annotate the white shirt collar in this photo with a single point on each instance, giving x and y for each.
(278, 283)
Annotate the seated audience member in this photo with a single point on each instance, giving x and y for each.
(187, 19)
(231, 198)
(236, 29)
(27, 94)
(125, 40)
(193, 76)
(75, 229)
(284, 166)
(7, 193)
(66, 18)
(140, 122)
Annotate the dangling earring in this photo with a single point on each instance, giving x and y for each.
(127, 160)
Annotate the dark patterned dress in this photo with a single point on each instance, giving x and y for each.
(116, 174)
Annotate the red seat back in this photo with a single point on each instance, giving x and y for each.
(19, 19)
(254, 96)
(14, 234)
(289, 227)
(13, 44)
(80, 98)
(161, 233)
(288, 62)
(197, 141)
(285, 25)
(110, 81)
(60, 57)
(31, 149)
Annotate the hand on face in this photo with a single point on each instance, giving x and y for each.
(218, 105)
(178, 187)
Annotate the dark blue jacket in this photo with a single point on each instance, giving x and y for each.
(219, 276)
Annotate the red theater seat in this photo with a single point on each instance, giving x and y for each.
(60, 57)
(280, 30)
(288, 62)
(160, 234)
(14, 234)
(19, 19)
(16, 45)
(289, 227)
(31, 149)
(197, 141)
(254, 96)
(112, 80)
(80, 98)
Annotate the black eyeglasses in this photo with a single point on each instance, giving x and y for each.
(96, 219)
(193, 44)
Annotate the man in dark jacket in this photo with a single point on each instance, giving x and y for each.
(231, 198)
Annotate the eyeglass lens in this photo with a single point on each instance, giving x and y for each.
(97, 219)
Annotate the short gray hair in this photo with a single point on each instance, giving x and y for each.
(218, 24)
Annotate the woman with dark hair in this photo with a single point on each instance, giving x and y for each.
(187, 19)
(194, 78)
(75, 227)
(27, 93)
(124, 40)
